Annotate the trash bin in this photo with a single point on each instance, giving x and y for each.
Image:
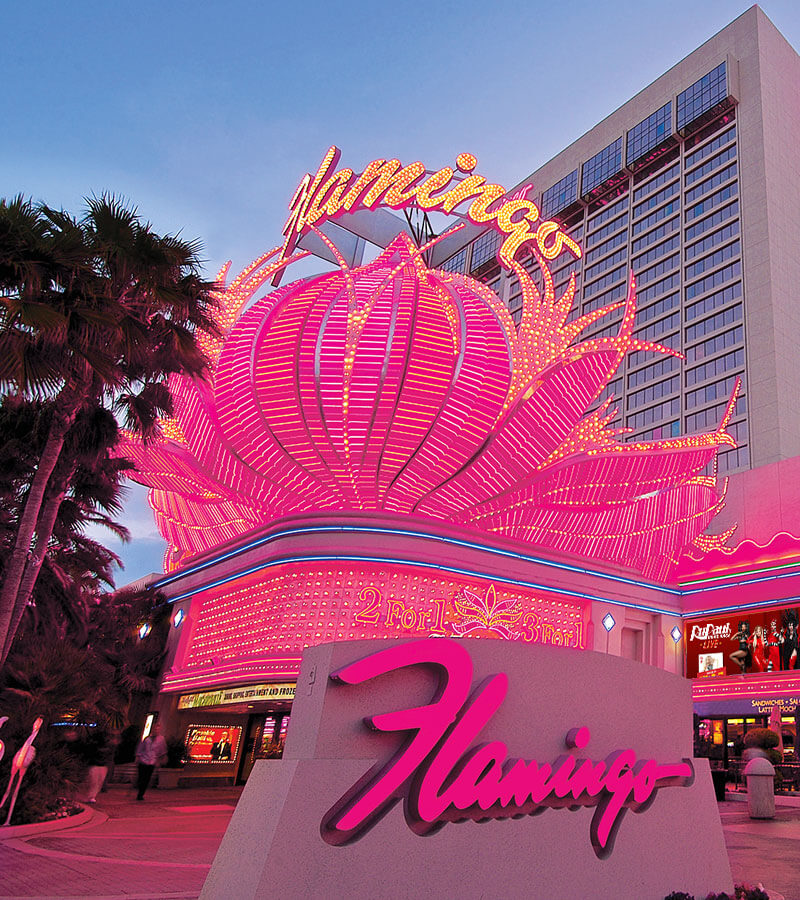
(720, 779)
(760, 776)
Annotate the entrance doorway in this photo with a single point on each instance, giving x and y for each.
(265, 736)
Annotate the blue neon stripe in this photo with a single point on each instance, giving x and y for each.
(420, 565)
(508, 554)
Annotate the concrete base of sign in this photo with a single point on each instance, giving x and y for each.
(273, 846)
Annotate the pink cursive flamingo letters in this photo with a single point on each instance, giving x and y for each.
(442, 778)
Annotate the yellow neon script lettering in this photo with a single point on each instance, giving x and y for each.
(388, 182)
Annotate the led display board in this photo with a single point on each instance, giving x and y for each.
(747, 642)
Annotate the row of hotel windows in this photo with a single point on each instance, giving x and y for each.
(711, 239)
(642, 140)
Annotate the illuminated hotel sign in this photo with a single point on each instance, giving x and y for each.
(442, 777)
(563, 747)
(245, 694)
(387, 182)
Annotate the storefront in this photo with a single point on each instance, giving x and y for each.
(226, 730)
(746, 668)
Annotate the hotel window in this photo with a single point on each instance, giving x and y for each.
(655, 199)
(714, 323)
(666, 410)
(616, 293)
(712, 281)
(653, 392)
(713, 259)
(653, 332)
(656, 253)
(657, 216)
(711, 392)
(656, 271)
(715, 345)
(484, 249)
(604, 282)
(673, 341)
(607, 246)
(714, 301)
(601, 166)
(693, 212)
(662, 433)
(713, 240)
(702, 96)
(714, 367)
(606, 213)
(733, 459)
(655, 235)
(457, 263)
(663, 366)
(652, 185)
(649, 133)
(560, 195)
(709, 184)
(606, 230)
(609, 331)
(699, 155)
(595, 270)
(721, 215)
(660, 287)
(665, 304)
(708, 168)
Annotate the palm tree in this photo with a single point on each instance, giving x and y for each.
(94, 314)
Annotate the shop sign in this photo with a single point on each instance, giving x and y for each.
(245, 694)
(743, 643)
(212, 743)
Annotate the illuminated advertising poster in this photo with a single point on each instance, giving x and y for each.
(213, 743)
(743, 643)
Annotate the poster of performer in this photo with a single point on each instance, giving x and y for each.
(743, 643)
(213, 743)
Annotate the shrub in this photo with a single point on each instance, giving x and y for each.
(764, 738)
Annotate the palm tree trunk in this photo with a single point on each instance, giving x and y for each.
(10, 591)
(44, 526)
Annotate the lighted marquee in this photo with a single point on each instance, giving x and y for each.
(747, 642)
(394, 387)
(285, 610)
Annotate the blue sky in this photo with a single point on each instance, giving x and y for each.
(206, 115)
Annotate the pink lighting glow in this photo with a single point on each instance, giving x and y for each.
(244, 625)
(442, 778)
(398, 388)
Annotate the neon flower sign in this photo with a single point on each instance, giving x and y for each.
(397, 388)
(326, 195)
(442, 777)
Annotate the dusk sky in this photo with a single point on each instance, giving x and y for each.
(207, 115)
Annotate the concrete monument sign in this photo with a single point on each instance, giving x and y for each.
(579, 764)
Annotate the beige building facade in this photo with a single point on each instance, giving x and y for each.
(695, 185)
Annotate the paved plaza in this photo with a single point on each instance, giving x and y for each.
(162, 849)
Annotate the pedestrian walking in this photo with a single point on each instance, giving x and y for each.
(151, 752)
(99, 756)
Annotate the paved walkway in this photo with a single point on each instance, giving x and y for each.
(162, 849)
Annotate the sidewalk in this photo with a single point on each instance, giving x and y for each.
(162, 849)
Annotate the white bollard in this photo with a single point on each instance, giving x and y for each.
(760, 775)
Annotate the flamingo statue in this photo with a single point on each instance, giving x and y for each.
(3, 720)
(19, 766)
